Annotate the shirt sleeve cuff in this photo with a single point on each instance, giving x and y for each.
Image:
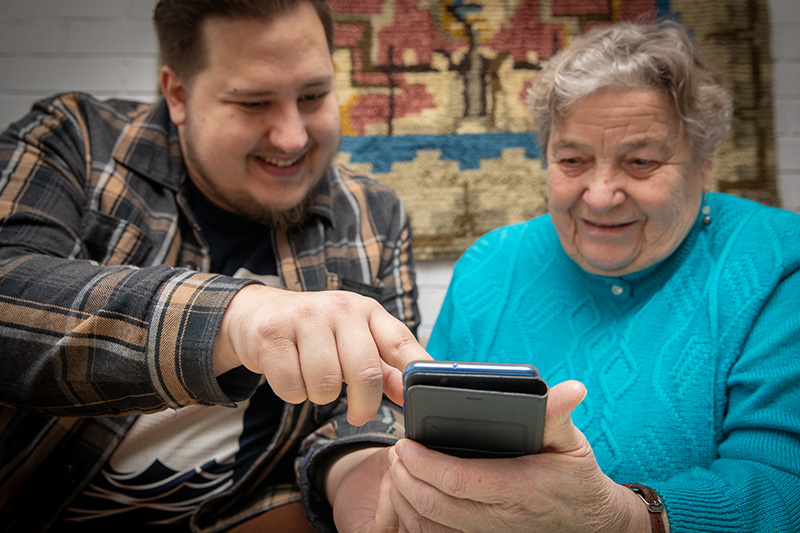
(332, 440)
(183, 327)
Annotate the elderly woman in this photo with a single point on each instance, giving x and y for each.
(676, 308)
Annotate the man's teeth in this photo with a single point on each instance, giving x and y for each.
(279, 162)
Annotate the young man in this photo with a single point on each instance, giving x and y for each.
(157, 371)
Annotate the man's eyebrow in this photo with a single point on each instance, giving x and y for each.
(240, 92)
(322, 83)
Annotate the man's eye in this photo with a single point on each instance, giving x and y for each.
(313, 97)
(253, 105)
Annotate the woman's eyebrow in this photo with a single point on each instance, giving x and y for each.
(566, 144)
(662, 146)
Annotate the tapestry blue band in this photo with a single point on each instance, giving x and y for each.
(468, 149)
(663, 10)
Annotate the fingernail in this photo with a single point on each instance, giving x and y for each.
(399, 448)
(585, 392)
(392, 456)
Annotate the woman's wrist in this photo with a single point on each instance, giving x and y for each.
(649, 514)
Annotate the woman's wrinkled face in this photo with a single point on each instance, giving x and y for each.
(624, 189)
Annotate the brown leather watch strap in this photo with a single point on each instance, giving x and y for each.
(654, 505)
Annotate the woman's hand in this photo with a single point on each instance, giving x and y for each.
(561, 489)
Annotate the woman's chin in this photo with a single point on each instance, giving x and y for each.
(608, 266)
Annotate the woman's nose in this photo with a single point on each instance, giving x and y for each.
(603, 192)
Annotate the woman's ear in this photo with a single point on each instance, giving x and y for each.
(706, 174)
(175, 93)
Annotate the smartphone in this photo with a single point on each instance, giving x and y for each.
(473, 409)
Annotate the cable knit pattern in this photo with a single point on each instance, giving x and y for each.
(692, 366)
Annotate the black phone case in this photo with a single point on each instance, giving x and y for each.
(475, 422)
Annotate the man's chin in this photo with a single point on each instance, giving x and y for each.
(287, 218)
(284, 218)
(269, 209)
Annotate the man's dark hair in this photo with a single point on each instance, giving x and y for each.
(178, 24)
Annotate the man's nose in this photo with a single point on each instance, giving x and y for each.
(287, 131)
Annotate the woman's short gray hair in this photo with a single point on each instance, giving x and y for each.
(629, 55)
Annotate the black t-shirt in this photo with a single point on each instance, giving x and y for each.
(234, 241)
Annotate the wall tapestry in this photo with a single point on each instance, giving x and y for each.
(432, 100)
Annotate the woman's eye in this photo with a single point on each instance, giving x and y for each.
(573, 166)
(639, 167)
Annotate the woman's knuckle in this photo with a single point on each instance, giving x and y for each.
(454, 481)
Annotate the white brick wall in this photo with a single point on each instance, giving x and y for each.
(107, 47)
(785, 17)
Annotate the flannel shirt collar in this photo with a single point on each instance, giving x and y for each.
(149, 146)
(322, 205)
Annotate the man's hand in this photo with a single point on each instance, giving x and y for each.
(308, 343)
(561, 489)
(357, 485)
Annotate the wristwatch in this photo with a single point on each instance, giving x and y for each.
(652, 502)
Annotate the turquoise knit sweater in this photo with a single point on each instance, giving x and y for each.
(692, 366)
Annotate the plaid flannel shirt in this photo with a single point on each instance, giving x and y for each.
(107, 307)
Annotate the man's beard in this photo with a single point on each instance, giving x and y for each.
(277, 219)
(288, 218)
(246, 206)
